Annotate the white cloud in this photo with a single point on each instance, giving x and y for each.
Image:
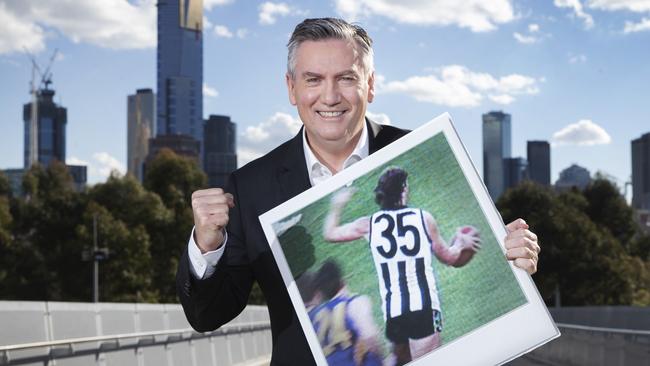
(207, 24)
(209, 91)
(269, 12)
(533, 35)
(631, 27)
(582, 133)
(457, 86)
(105, 164)
(381, 118)
(17, 32)
(209, 4)
(577, 59)
(100, 168)
(222, 31)
(578, 11)
(476, 15)
(242, 33)
(638, 6)
(504, 99)
(73, 160)
(524, 39)
(115, 24)
(256, 141)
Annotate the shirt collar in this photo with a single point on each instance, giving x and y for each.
(318, 172)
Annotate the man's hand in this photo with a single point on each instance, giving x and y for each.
(210, 208)
(522, 246)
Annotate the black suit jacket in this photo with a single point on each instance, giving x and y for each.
(258, 187)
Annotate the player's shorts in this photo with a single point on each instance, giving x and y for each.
(413, 325)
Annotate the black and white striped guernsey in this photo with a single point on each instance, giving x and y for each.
(401, 250)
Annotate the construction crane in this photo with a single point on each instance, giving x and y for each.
(46, 80)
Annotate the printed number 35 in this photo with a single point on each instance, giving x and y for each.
(402, 229)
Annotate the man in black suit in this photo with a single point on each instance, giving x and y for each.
(330, 80)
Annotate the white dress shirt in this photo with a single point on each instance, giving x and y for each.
(204, 265)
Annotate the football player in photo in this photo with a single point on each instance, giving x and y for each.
(402, 240)
(343, 322)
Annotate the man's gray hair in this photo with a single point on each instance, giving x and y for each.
(320, 29)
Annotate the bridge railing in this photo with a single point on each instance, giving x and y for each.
(36, 333)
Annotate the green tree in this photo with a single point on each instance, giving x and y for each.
(578, 257)
(5, 229)
(608, 209)
(45, 257)
(5, 186)
(144, 216)
(126, 275)
(173, 178)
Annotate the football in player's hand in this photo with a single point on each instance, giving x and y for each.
(469, 240)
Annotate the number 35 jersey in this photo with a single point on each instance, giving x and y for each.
(401, 250)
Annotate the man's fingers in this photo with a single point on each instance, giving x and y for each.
(230, 200)
(213, 208)
(521, 252)
(521, 242)
(215, 221)
(517, 224)
(207, 192)
(527, 265)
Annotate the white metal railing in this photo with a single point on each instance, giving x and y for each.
(144, 338)
(604, 330)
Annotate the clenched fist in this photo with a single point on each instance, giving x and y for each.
(210, 208)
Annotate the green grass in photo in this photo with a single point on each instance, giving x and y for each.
(470, 296)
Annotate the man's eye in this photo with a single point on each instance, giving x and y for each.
(349, 78)
(311, 80)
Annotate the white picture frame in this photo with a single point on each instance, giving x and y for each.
(510, 333)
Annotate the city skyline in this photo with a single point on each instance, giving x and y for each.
(573, 75)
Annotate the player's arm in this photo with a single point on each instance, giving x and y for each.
(446, 254)
(333, 231)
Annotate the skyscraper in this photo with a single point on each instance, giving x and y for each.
(573, 176)
(179, 100)
(641, 172)
(140, 128)
(516, 170)
(496, 147)
(50, 121)
(220, 152)
(539, 162)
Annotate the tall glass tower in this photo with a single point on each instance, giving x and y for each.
(179, 101)
(220, 149)
(641, 172)
(140, 128)
(51, 120)
(539, 162)
(496, 147)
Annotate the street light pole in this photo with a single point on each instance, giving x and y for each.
(95, 255)
(96, 262)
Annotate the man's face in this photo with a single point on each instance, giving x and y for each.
(331, 90)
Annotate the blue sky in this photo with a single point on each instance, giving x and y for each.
(574, 72)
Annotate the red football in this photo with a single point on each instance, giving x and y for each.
(464, 233)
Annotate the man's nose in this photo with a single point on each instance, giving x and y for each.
(331, 95)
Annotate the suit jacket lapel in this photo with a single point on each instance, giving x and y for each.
(374, 142)
(292, 175)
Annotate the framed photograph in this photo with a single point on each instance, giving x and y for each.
(400, 258)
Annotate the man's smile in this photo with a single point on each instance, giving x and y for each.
(330, 114)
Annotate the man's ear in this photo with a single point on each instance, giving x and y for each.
(371, 87)
(291, 88)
